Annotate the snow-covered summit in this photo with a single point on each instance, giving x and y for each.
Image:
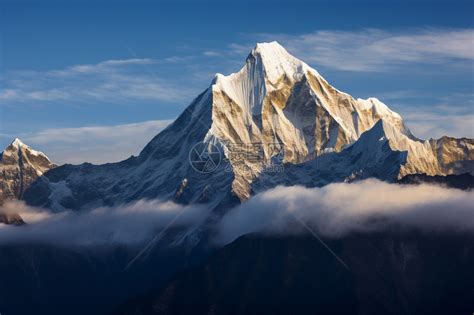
(20, 165)
(267, 63)
(277, 98)
(277, 62)
(17, 142)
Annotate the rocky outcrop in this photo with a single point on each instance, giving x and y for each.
(8, 218)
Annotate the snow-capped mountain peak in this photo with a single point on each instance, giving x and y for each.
(275, 108)
(278, 63)
(17, 142)
(20, 165)
(277, 98)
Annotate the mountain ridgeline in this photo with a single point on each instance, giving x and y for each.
(279, 104)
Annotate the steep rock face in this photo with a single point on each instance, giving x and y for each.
(20, 165)
(280, 103)
(380, 152)
(455, 156)
(444, 156)
(371, 156)
(275, 109)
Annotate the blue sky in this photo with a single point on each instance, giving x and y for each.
(94, 81)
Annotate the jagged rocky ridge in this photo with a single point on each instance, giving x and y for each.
(290, 111)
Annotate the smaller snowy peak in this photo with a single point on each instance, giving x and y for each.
(17, 152)
(18, 143)
(420, 156)
(386, 130)
(380, 132)
(12, 149)
(20, 166)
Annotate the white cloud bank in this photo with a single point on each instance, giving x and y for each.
(441, 120)
(333, 211)
(127, 224)
(338, 209)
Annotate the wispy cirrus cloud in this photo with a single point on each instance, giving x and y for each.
(106, 66)
(212, 53)
(375, 50)
(95, 144)
(440, 121)
(451, 115)
(107, 81)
